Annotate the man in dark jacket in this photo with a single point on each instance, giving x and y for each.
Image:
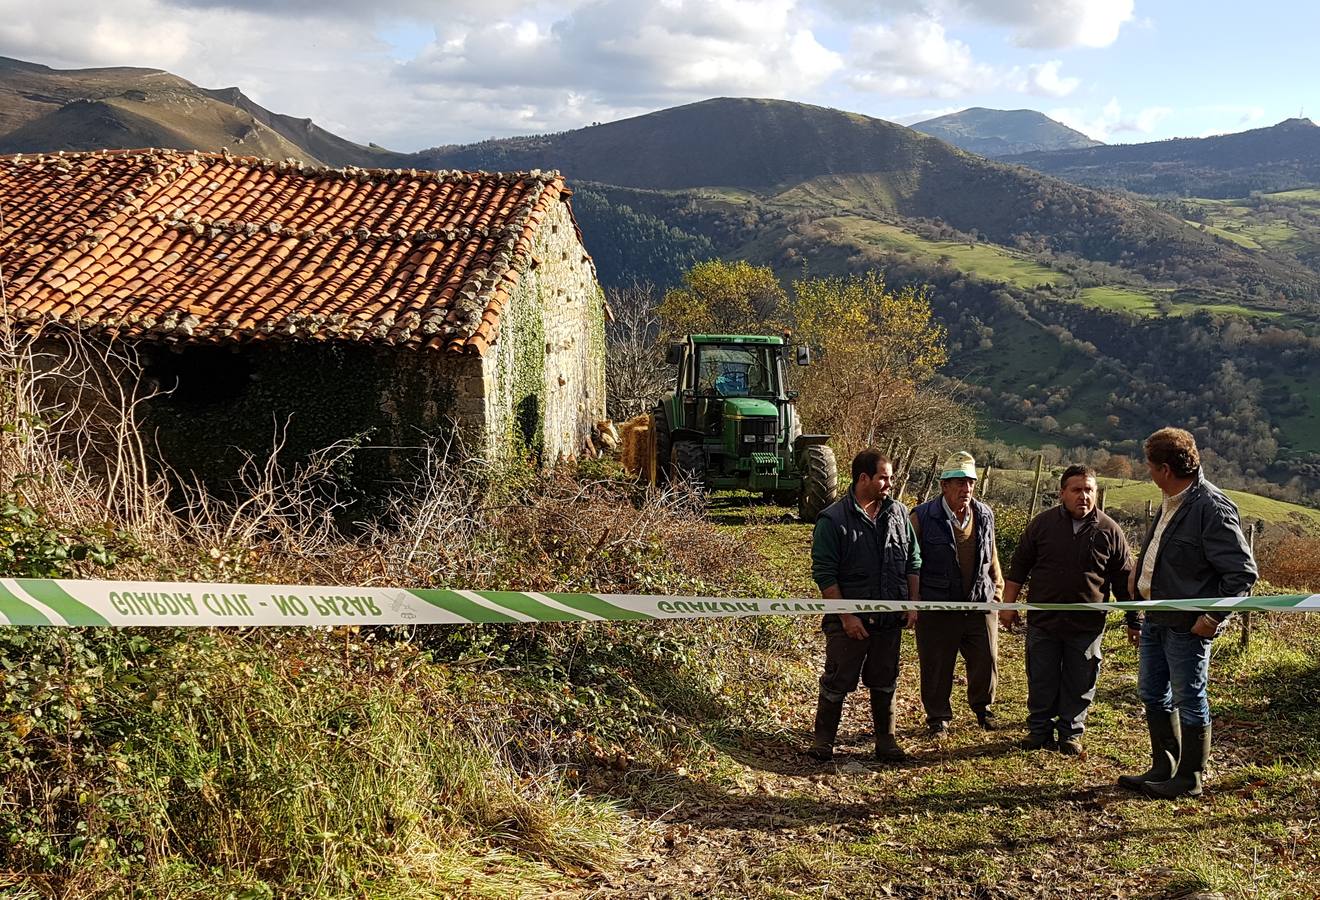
(863, 549)
(1195, 549)
(1072, 553)
(960, 563)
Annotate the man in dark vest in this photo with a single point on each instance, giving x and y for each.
(960, 563)
(1072, 553)
(1195, 549)
(863, 548)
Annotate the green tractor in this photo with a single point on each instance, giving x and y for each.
(731, 424)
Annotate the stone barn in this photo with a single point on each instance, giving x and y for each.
(384, 307)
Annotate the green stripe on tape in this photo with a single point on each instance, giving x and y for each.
(461, 606)
(590, 603)
(54, 596)
(522, 603)
(18, 612)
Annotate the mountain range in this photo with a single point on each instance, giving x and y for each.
(122, 108)
(1062, 301)
(1278, 158)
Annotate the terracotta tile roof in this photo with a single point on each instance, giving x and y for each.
(202, 247)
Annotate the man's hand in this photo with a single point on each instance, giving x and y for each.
(1134, 635)
(1205, 627)
(853, 627)
(1009, 619)
(911, 621)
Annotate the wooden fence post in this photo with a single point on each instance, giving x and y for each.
(1101, 500)
(930, 477)
(1035, 490)
(904, 473)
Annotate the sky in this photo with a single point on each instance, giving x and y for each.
(409, 74)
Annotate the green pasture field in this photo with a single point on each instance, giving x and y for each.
(987, 261)
(1131, 495)
(1144, 303)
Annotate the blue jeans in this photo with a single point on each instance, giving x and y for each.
(1174, 672)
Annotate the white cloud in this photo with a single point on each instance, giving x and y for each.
(1056, 23)
(72, 33)
(913, 57)
(1111, 120)
(1051, 24)
(411, 73)
(1045, 79)
(924, 115)
(916, 57)
(623, 52)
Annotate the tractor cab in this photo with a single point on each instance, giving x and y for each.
(714, 376)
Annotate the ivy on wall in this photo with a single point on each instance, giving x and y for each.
(521, 368)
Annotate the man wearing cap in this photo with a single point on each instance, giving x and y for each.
(1195, 550)
(959, 563)
(1072, 553)
(863, 548)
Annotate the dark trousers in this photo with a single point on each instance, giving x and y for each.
(873, 660)
(1062, 670)
(941, 636)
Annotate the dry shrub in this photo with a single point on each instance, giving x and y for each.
(1291, 561)
(76, 451)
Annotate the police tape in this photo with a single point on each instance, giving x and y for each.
(39, 601)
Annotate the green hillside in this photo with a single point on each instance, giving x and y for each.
(1281, 157)
(1002, 132)
(1131, 496)
(802, 157)
(44, 109)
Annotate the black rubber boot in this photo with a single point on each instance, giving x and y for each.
(1165, 749)
(828, 714)
(882, 715)
(1186, 782)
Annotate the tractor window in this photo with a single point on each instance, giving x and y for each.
(735, 371)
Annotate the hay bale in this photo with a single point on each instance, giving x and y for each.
(637, 446)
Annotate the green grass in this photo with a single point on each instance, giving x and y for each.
(1131, 496)
(987, 261)
(1145, 303)
(1300, 430)
(1302, 196)
(977, 817)
(1227, 233)
(1123, 299)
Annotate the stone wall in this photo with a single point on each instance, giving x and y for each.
(226, 404)
(545, 377)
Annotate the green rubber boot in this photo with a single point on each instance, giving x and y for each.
(882, 716)
(1186, 782)
(828, 714)
(1165, 749)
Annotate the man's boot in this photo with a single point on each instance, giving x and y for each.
(828, 714)
(1165, 750)
(882, 716)
(1186, 782)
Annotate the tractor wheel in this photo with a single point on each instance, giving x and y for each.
(688, 463)
(820, 482)
(662, 444)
